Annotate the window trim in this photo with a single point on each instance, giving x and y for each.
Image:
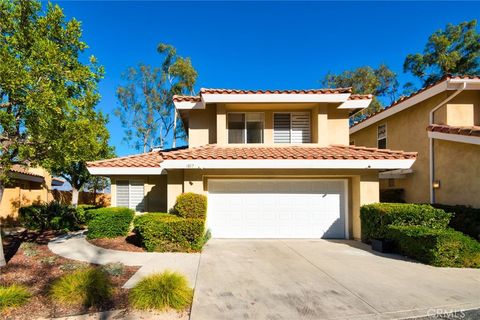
(129, 184)
(245, 127)
(378, 139)
(291, 128)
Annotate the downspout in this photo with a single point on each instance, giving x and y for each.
(430, 140)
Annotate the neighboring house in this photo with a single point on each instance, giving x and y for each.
(274, 164)
(26, 186)
(442, 123)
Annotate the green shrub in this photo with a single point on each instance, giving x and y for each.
(161, 291)
(377, 217)
(465, 219)
(13, 296)
(50, 216)
(87, 286)
(191, 205)
(437, 247)
(109, 222)
(83, 212)
(166, 232)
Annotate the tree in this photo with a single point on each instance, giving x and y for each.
(455, 50)
(146, 108)
(45, 90)
(95, 184)
(381, 82)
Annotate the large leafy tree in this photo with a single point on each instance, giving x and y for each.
(146, 107)
(47, 94)
(380, 82)
(455, 50)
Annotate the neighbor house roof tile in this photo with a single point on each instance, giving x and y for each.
(464, 131)
(23, 170)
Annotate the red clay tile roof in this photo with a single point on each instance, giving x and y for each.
(237, 91)
(464, 131)
(335, 152)
(143, 160)
(402, 99)
(360, 97)
(23, 170)
(214, 152)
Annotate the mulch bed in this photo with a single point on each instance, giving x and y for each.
(35, 266)
(129, 243)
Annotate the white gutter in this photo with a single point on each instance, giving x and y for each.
(121, 171)
(431, 151)
(288, 164)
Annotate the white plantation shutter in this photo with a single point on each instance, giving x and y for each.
(281, 128)
(300, 127)
(137, 195)
(291, 127)
(130, 194)
(122, 194)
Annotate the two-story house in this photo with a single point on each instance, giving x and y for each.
(442, 123)
(274, 164)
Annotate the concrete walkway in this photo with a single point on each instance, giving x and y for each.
(74, 246)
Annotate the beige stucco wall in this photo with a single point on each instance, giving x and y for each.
(329, 125)
(457, 167)
(155, 191)
(406, 131)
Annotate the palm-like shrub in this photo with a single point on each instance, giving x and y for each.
(162, 291)
(88, 286)
(13, 296)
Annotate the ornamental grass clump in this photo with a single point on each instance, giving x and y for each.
(88, 287)
(13, 296)
(161, 291)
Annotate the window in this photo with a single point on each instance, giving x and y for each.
(382, 136)
(293, 127)
(130, 194)
(245, 127)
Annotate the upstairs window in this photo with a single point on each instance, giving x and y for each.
(245, 127)
(382, 136)
(291, 127)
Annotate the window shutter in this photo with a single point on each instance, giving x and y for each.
(137, 195)
(300, 127)
(122, 193)
(281, 128)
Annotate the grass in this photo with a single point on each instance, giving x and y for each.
(162, 291)
(88, 286)
(13, 296)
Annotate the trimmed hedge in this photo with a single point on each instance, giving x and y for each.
(437, 247)
(191, 205)
(375, 218)
(109, 222)
(50, 216)
(465, 219)
(165, 232)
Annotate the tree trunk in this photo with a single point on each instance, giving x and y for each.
(2, 255)
(74, 196)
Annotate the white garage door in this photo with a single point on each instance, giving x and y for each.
(277, 208)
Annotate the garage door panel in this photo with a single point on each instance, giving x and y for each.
(276, 208)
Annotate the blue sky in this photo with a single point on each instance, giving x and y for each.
(257, 45)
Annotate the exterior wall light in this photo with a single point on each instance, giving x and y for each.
(436, 184)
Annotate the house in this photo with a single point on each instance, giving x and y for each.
(274, 164)
(26, 186)
(442, 123)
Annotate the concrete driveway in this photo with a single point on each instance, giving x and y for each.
(320, 279)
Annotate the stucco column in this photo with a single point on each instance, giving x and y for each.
(322, 125)
(221, 125)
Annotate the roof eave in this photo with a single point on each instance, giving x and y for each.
(122, 171)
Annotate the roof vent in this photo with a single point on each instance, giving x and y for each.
(155, 149)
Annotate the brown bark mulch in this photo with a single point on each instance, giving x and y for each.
(36, 267)
(130, 243)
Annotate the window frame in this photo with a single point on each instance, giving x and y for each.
(245, 127)
(385, 137)
(291, 127)
(129, 184)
